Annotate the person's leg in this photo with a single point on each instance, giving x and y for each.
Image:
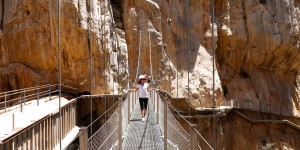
(141, 106)
(143, 101)
(145, 106)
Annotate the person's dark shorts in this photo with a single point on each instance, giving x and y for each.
(143, 103)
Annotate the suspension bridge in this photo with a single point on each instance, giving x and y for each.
(33, 122)
(41, 118)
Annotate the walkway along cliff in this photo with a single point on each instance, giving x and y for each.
(255, 45)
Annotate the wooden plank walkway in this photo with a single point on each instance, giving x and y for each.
(143, 135)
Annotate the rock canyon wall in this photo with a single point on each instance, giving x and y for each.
(256, 44)
(257, 50)
(29, 45)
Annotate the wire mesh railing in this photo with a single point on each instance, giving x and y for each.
(106, 135)
(110, 135)
(175, 136)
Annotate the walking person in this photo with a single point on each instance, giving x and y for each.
(143, 88)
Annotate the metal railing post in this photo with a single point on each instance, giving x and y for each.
(13, 121)
(38, 96)
(49, 92)
(83, 142)
(135, 97)
(153, 99)
(132, 97)
(157, 107)
(120, 124)
(21, 100)
(165, 124)
(193, 137)
(24, 96)
(128, 116)
(5, 100)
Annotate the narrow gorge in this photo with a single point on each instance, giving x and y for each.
(255, 43)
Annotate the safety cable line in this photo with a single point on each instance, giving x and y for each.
(167, 49)
(291, 17)
(175, 110)
(103, 114)
(203, 139)
(180, 115)
(177, 67)
(169, 22)
(188, 47)
(59, 76)
(213, 67)
(91, 69)
(105, 59)
(117, 45)
(150, 48)
(138, 67)
(162, 37)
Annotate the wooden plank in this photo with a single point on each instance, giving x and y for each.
(33, 137)
(44, 135)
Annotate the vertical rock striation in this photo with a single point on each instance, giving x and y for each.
(29, 41)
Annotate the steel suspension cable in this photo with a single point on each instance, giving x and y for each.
(118, 59)
(105, 63)
(150, 49)
(59, 76)
(177, 68)
(188, 47)
(213, 67)
(169, 22)
(117, 45)
(90, 55)
(138, 67)
(291, 16)
(168, 54)
(162, 38)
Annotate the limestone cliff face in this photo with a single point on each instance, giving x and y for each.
(259, 59)
(257, 52)
(181, 46)
(29, 41)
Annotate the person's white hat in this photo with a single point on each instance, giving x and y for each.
(141, 77)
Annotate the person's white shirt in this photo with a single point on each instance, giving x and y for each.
(143, 90)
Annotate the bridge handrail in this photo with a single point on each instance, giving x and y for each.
(35, 123)
(101, 116)
(190, 104)
(172, 131)
(18, 91)
(203, 139)
(20, 96)
(107, 133)
(26, 96)
(166, 98)
(170, 105)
